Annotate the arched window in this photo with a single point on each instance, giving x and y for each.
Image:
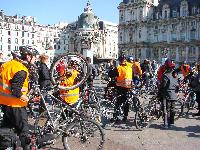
(165, 14)
(16, 40)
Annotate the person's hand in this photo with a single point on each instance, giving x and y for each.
(24, 98)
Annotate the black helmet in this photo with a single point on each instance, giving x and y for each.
(28, 50)
(122, 58)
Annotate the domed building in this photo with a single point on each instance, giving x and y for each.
(92, 37)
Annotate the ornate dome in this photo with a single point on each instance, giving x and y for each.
(88, 19)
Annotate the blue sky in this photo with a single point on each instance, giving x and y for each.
(55, 11)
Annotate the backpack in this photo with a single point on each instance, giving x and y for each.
(8, 139)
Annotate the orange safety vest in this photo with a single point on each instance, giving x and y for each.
(125, 76)
(137, 68)
(70, 96)
(185, 72)
(7, 72)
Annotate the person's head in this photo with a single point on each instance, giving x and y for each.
(44, 58)
(28, 54)
(169, 64)
(122, 59)
(88, 59)
(130, 59)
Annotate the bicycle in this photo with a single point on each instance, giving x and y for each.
(152, 111)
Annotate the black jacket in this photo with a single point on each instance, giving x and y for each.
(44, 76)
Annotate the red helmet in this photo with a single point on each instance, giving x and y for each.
(169, 64)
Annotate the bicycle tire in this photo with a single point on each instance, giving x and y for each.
(53, 72)
(71, 132)
(142, 118)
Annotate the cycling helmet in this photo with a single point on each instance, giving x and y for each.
(28, 50)
(122, 58)
(169, 63)
(130, 58)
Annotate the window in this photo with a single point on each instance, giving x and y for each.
(0, 39)
(165, 14)
(120, 37)
(9, 33)
(192, 52)
(33, 42)
(9, 41)
(23, 34)
(16, 48)
(184, 11)
(192, 34)
(32, 35)
(194, 10)
(174, 13)
(28, 42)
(0, 47)
(173, 34)
(58, 47)
(16, 40)
(9, 47)
(22, 27)
(17, 34)
(22, 41)
(164, 37)
(0, 31)
(182, 35)
(140, 34)
(54, 46)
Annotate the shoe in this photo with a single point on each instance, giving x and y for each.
(170, 125)
(197, 114)
(164, 126)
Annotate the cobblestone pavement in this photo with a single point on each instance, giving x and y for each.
(185, 135)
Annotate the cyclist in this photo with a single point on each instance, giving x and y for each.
(14, 80)
(168, 86)
(185, 69)
(71, 74)
(124, 77)
(136, 68)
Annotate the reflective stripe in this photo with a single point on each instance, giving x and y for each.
(124, 83)
(5, 86)
(67, 95)
(7, 95)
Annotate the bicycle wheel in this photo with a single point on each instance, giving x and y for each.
(63, 67)
(85, 134)
(144, 116)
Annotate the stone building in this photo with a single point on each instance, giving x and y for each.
(16, 31)
(93, 37)
(170, 29)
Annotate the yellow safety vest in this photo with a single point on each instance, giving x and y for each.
(125, 76)
(70, 96)
(7, 72)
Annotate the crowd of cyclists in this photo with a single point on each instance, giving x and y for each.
(18, 75)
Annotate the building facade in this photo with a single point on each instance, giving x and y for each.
(16, 31)
(170, 29)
